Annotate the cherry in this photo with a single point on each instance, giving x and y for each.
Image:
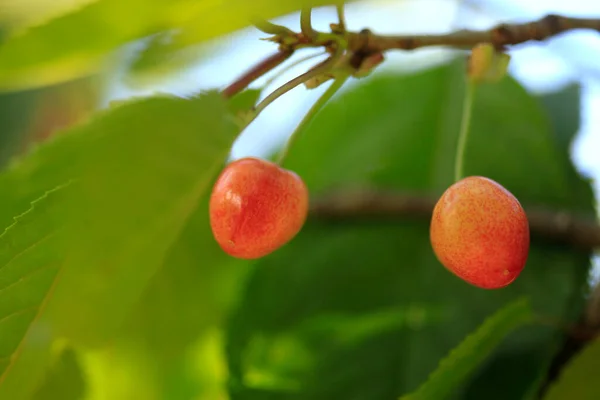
(480, 232)
(256, 207)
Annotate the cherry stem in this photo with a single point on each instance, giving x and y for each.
(341, 17)
(306, 23)
(465, 126)
(289, 67)
(255, 72)
(317, 70)
(321, 101)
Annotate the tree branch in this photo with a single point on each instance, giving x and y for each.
(500, 36)
(365, 43)
(557, 226)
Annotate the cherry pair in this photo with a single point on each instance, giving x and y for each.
(478, 230)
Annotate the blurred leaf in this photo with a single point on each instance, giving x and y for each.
(141, 169)
(78, 43)
(162, 58)
(35, 115)
(579, 379)
(399, 133)
(472, 351)
(17, 13)
(30, 261)
(563, 108)
(65, 379)
(344, 329)
(16, 110)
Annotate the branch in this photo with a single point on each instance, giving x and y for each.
(556, 226)
(366, 43)
(256, 72)
(500, 36)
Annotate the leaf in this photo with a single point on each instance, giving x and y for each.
(192, 292)
(471, 352)
(163, 58)
(578, 380)
(80, 42)
(563, 108)
(141, 168)
(65, 380)
(398, 132)
(31, 260)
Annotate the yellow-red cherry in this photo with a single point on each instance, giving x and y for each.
(480, 232)
(256, 207)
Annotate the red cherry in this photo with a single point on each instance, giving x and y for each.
(256, 207)
(480, 232)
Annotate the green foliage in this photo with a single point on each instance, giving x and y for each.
(30, 261)
(579, 379)
(190, 293)
(403, 130)
(83, 40)
(122, 215)
(466, 357)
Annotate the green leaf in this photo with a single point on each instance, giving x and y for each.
(399, 133)
(191, 293)
(579, 379)
(163, 58)
(65, 380)
(81, 42)
(31, 260)
(563, 108)
(471, 352)
(141, 168)
(195, 279)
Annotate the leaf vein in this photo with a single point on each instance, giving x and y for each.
(25, 277)
(28, 248)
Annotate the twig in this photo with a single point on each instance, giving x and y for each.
(317, 70)
(306, 23)
(557, 226)
(256, 72)
(328, 94)
(288, 67)
(500, 36)
(365, 42)
(341, 14)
